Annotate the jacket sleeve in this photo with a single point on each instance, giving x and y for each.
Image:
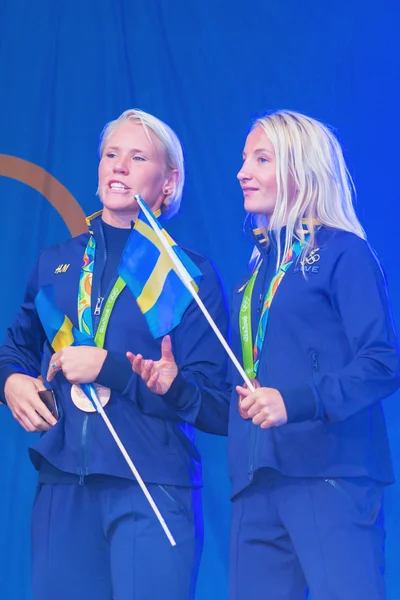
(198, 394)
(22, 347)
(359, 296)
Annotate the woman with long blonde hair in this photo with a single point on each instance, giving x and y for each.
(308, 449)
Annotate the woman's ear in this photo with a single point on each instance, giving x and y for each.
(171, 182)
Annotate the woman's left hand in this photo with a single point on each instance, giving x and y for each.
(265, 406)
(158, 375)
(80, 364)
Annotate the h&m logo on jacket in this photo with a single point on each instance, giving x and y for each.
(61, 268)
(309, 262)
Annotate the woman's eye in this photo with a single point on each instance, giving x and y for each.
(140, 158)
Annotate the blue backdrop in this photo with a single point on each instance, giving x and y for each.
(207, 68)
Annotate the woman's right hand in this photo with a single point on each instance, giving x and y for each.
(241, 397)
(157, 375)
(21, 392)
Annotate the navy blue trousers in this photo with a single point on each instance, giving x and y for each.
(101, 541)
(292, 535)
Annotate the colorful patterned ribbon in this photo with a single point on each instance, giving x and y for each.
(85, 319)
(251, 353)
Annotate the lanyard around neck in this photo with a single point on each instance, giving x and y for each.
(251, 351)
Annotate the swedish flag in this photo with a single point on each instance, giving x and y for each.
(152, 277)
(58, 327)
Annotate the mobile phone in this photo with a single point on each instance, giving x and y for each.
(49, 399)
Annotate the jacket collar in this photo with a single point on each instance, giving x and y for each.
(265, 239)
(92, 220)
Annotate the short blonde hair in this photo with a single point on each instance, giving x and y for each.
(170, 143)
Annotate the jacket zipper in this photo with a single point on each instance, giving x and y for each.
(96, 320)
(254, 432)
(100, 298)
(315, 366)
(99, 303)
(83, 447)
(253, 444)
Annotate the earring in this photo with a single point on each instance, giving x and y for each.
(166, 192)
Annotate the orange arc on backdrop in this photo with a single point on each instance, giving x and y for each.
(40, 180)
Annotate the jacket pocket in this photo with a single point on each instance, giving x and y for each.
(171, 493)
(363, 494)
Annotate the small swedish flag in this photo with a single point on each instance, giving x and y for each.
(58, 327)
(152, 276)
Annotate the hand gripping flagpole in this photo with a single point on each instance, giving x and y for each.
(187, 281)
(90, 392)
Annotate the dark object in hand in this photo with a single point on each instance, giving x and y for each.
(49, 399)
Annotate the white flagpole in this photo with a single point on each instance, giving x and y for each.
(99, 408)
(187, 281)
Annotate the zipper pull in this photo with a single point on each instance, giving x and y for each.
(99, 303)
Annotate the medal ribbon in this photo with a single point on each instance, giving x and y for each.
(85, 319)
(251, 352)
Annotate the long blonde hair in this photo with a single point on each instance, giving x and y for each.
(309, 153)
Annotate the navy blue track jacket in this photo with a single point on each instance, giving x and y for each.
(331, 351)
(157, 431)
